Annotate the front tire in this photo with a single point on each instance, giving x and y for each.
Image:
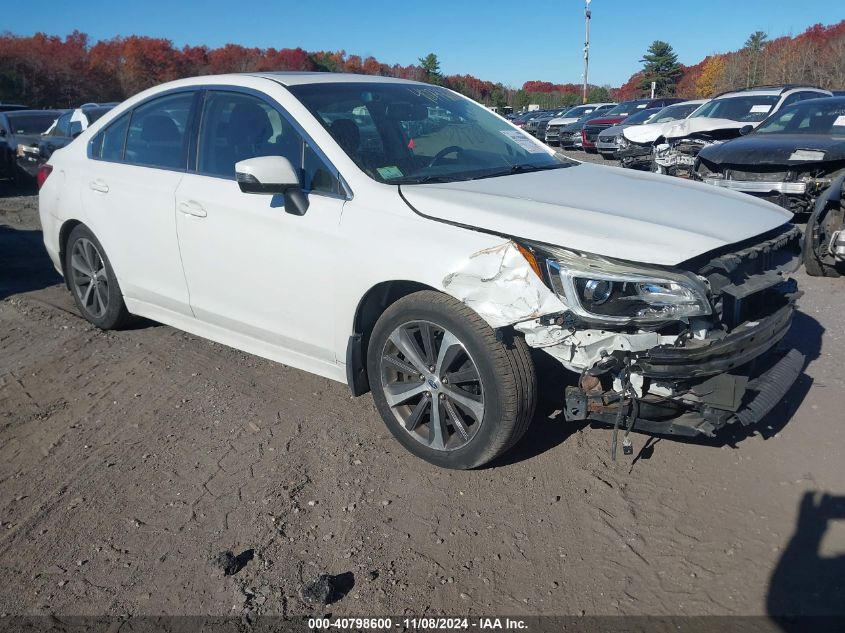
(92, 281)
(450, 392)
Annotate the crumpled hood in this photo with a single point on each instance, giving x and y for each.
(627, 214)
(650, 132)
(774, 149)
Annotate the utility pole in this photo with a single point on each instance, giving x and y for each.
(586, 47)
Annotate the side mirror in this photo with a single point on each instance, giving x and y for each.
(745, 129)
(75, 129)
(272, 175)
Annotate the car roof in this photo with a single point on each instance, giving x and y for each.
(769, 90)
(295, 78)
(30, 112)
(826, 100)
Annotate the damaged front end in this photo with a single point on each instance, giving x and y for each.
(677, 157)
(634, 155)
(679, 351)
(793, 187)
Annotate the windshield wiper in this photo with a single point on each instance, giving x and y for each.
(422, 180)
(524, 168)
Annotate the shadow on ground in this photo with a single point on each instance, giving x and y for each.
(806, 583)
(24, 264)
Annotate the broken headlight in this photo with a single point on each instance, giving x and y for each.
(621, 293)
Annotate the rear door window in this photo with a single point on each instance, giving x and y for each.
(158, 132)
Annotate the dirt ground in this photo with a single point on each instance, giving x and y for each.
(129, 460)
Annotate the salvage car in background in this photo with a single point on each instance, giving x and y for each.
(537, 125)
(19, 129)
(552, 134)
(721, 119)
(638, 155)
(792, 157)
(245, 209)
(615, 116)
(65, 128)
(569, 136)
(607, 144)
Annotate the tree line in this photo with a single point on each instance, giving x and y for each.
(49, 71)
(815, 57)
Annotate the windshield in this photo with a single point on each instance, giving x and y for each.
(675, 112)
(750, 108)
(31, 123)
(625, 108)
(402, 133)
(827, 119)
(640, 117)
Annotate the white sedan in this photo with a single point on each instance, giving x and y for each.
(402, 239)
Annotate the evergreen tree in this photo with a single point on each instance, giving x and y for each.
(431, 67)
(753, 50)
(660, 64)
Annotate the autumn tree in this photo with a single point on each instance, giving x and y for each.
(711, 75)
(660, 65)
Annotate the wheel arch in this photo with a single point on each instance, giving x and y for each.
(64, 236)
(371, 306)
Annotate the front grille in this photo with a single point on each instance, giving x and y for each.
(746, 280)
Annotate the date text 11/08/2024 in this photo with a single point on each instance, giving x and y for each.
(482, 623)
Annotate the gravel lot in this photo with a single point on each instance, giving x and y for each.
(129, 460)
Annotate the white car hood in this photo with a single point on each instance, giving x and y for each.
(626, 214)
(650, 132)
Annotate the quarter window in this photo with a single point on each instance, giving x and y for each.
(108, 144)
(157, 132)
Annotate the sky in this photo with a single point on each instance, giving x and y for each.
(511, 42)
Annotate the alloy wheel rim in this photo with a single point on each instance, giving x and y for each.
(90, 281)
(432, 385)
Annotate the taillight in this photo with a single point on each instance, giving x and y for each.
(43, 171)
(584, 136)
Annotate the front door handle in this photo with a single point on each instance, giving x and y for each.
(98, 185)
(192, 208)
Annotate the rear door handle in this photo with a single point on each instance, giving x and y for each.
(192, 208)
(98, 185)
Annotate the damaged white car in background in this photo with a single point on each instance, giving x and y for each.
(401, 238)
(729, 115)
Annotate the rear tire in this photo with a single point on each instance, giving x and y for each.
(463, 423)
(92, 281)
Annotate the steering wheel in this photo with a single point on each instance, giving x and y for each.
(452, 149)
